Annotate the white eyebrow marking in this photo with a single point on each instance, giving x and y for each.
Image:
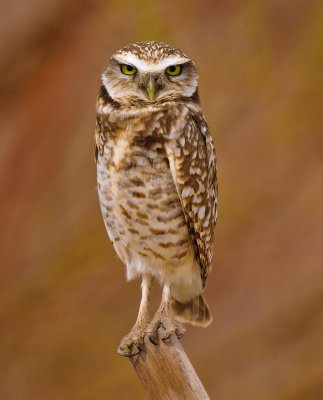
(144, 66)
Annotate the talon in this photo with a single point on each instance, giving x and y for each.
(135, 350)
(153, 332)
(179, 331)
(169, 331)
(133, 343)
(124, 352)
(168, 334)
(169, 327)
(153, 339)
(129, 351)
(179, 334)
(167, 337)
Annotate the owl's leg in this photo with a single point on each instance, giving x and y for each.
(164, 319)
(132, 343)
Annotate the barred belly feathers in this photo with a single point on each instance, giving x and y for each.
(156, 173)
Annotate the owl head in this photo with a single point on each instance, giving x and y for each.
(149, 72)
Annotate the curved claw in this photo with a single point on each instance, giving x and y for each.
(169, 328)
(153, 339)
(129, 353)
(133, 343)
(180, 330)
(152, 331)
(168, 332)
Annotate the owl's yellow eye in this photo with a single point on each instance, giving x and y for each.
(128, 69)
(173, 70)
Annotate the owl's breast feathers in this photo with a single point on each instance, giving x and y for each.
(182, 135)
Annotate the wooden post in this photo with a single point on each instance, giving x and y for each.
(166, 372)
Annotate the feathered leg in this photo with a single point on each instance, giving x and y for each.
(132, 343)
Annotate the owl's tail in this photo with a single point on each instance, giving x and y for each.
(195, 312)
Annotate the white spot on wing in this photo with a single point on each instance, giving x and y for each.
(182, 141)
(206, 223)
(187, 191)
(201, 213)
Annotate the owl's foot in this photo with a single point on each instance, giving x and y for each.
(168, 325)
(133, 343)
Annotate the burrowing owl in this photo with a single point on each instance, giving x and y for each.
(156, 170)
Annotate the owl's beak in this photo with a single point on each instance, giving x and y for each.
(151, 89)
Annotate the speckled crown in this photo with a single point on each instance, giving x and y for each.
(151, 50)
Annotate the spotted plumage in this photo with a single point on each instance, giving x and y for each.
(157, 186)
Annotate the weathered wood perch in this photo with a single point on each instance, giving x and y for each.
(166, 372)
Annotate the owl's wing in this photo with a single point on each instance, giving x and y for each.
(96, 146)
(99, 137)
(192, 160)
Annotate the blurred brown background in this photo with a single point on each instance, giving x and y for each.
(64, 302)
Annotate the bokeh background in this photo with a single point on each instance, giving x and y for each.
(64, 302)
